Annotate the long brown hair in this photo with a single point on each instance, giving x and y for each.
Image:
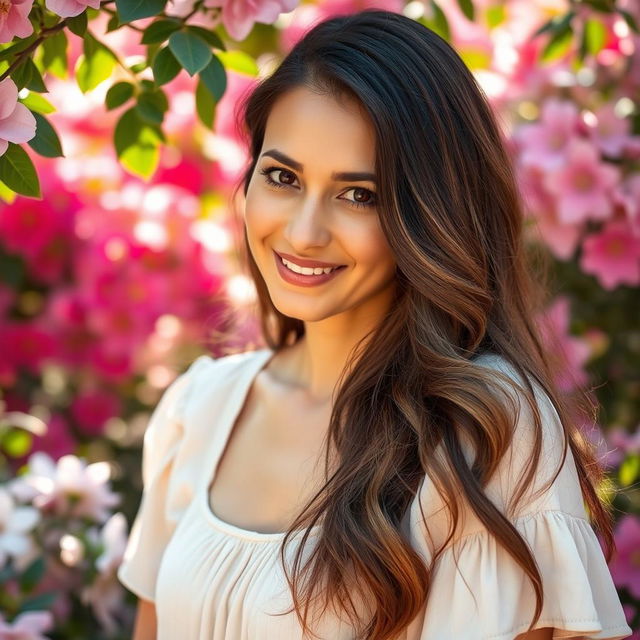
(451, 212)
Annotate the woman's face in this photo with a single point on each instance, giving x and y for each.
(314, 215)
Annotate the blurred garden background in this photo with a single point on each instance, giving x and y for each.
(119, 261)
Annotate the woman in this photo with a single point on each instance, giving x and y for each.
(384, 234)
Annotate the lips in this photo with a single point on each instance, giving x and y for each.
(302, 280)
(305, 262)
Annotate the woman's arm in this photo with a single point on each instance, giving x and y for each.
(145, 625)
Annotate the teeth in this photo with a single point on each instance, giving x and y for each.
(307, 271)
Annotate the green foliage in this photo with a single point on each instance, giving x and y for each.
(18, 173)
(118, 94)
(95, 65)
(190, 50)
(165, 66)
(130, 10)
(54, 55)
(205, 105)
(159, 31)
(46, 141)
(137, 143)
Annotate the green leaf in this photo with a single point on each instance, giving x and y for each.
(8, 196)
(95, 65)
(33, 574)
(466, 6)
(159, 31)
(41, 602)
(594, 35)
(211, 37)
(629, 470)
(21, 75)
(113, 24)
(205, 105)
(152, 106)
(17, 47)
(137, 144)
(78, 24)
(191, 51)
(36, 83)
(238, 61)
(118, 94)
(214, 78)
(18, 173)
(165, 66)
(54, 55)
(36, 102)
(558, 45)
(438, 22)
(130, 10)
(17, 442)
(495, 15)
(46, 142)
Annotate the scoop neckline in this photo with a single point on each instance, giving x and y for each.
(258, 361)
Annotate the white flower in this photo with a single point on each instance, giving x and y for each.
(70, 487)
(105, 594)
(15, 524)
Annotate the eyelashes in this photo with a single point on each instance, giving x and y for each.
(269, 180)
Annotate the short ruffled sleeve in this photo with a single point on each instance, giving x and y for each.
(156, 518)
(478, 591)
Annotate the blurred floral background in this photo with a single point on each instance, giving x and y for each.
(119, 261)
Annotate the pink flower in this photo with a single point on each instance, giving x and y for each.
(26, 626)
(70, 8)
(625, 566)
(58, 440)
(92, 408)
(545, 143)
(14, 20)
(612, 255)
(610, 132)
(583, 186)
(26, 345)
(561, 238)
(238, 16)
(17, 123)
(622, 443)
(573, 351)
(627, 196)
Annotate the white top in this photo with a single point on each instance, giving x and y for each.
(211, 580)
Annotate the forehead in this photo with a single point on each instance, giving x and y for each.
(319, 130)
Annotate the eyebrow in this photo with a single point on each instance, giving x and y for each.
(344, 176)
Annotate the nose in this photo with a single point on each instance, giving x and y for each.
(307, 225)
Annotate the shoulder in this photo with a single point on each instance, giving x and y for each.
(210, 379)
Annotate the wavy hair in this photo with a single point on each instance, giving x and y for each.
(452, 215)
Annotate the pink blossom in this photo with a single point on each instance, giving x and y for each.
(612, 255)
(26, 345)
(610, 132)
(239, 16)
(625, 566)
(14, 20)
(583, 186)
(572, 351)
(70, 8)
(92, 408)
(623, 443)
(58, 440)
(17, 123)
(561, 238)
(26, 626)
(545, 143)
(627, 196)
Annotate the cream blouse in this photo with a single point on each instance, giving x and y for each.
(211, 580)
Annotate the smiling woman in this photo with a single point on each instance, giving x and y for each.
(457, 500)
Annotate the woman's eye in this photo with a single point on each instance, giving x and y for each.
(287, 175)
(369, 197)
